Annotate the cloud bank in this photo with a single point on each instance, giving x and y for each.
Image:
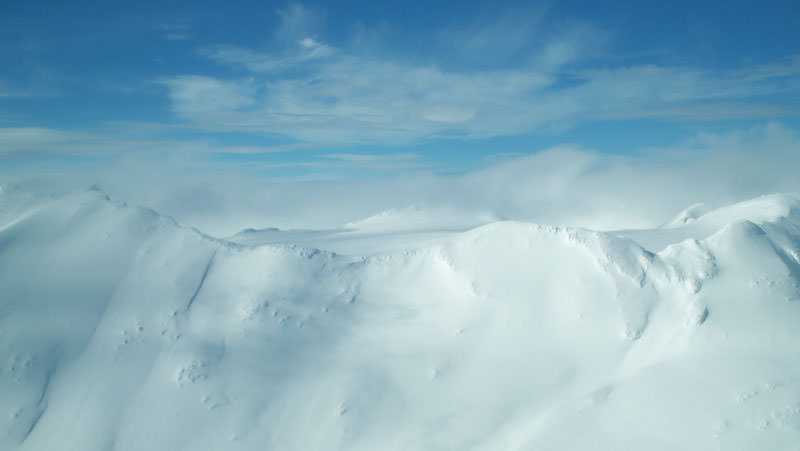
(565, 185)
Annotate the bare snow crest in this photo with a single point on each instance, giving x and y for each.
(507, 334)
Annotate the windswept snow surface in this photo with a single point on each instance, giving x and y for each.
(120, 329)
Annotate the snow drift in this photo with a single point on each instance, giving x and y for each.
(120, 329)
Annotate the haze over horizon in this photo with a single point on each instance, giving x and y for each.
(183, 106)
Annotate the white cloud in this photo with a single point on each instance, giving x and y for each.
(178, 36)
(10, 89)
(348, 99)
(447, 114)
(196, 95)
(25, 143)
(565, 185)
(316, 93)
(372, 157)
(298, 22)
(494, 39)
(717, 111)
(526, 75)
(174, 27)
(176, 31)
(4, 90)
(784, 68)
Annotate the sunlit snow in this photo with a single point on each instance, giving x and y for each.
(121, 329)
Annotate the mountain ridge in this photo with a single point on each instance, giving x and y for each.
(117, 320)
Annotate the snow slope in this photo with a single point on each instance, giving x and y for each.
(120, 329)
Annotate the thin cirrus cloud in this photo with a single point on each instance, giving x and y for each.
(176, 32)
(28, 142)
(12, 90)
(178, 36)
(194, 95)
(318, 93)
(359, 157)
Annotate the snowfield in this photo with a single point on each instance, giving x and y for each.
(121, 329)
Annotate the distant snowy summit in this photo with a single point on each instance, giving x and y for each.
(121, 329)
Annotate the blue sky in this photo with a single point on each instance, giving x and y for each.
(357, 88)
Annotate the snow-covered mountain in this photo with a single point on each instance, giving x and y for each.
(120, 329)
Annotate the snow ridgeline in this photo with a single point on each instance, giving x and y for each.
(120, 329)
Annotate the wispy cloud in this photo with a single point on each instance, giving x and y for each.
(37, 88)
(565, 185)
(375, 162)
(708, 112)
(33, 142)
(298, 21)
(4, 90)
(199, 95)
(176, 31)
(372, 157)
(315, 92)
(23, 143)
(178, 36)
(784, 68)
